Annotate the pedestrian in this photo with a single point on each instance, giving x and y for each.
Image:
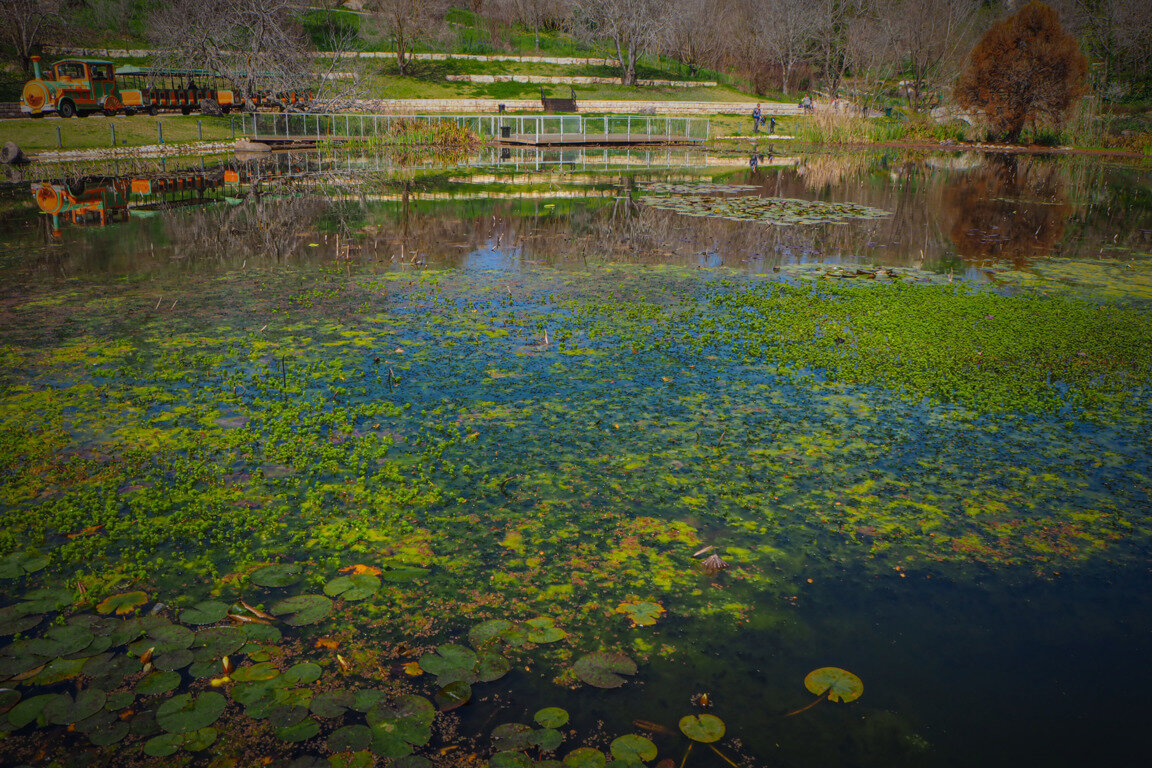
(772, 123)
(756, 119)
(753, 162)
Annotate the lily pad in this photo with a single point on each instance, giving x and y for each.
(158, 682)
(64, 710)
(450, 663)
(276, 575)
(302, 731)
(122, 604)
(333, 704)
(352, 588)
(350, 738)
(510, 760)
(112, 734)
(163, 745)
(641, 613)
(256, 672)
(47, 599)
(206, 612)
(604, 670)
(632, 748)
(544, 630)
(200, 740)
(585, 757)
(511, 736)
(302, 673)
(361, 759)
(20, 564)
(489, 632)
(547, 739)
(551, 717)
(303, 609)
(703, 728)
(29, 709)
(492, 667)
(453, 695)
(839, 684)
(184, 714)
(397, 730)
(17, 618)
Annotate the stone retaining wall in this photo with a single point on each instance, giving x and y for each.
(574, 80)
(135, 53)
(10, 109)
(484, 106)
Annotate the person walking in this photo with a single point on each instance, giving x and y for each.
(772, 128)
(756, 119)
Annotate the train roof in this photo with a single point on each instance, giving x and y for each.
(81, 61)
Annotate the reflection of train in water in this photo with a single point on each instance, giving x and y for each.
(81, 86)
(98, 201)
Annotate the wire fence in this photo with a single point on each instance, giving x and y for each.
(631, 127)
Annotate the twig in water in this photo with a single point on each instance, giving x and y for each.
(173, 305)
(723, 757)
(687, 752)
(158, 302)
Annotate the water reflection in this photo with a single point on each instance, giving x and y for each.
(957, 212)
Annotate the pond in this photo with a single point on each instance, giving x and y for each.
(577, 458)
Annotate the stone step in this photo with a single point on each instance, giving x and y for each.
(9, 109)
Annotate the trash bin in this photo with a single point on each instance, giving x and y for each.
(505, 131)
(500, 108)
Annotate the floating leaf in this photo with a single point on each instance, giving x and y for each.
(357, 570)
(43, 600)
(183, 714)
(355, 760)
(302, 673)
(29, 709)
(397, 730)
(547, 739)
(350, 738)
(511, 736)
(303, 609)
(489, 631)
(451, 662)
(177, 659)
(22, 563)
(112, 734)
(603, 670)
(453, 695)
(206, 612)
(492, 667)
(123, 603)
(585, 757)
(352, 588)
(333, 704)
(200, 740)
(551, 717)
(633, 747)
(510, 760)
(642, 614)
(302, 731)
(163, 745)
(543, 630)
(839, 684)
(64, 710)
(214, 643)
(276, 575)
(256, 672)
(119, 700)
(17, 618)
(703, 728)
(158, 682)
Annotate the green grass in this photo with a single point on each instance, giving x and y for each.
(95, 133)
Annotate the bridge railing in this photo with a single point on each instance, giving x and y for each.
(352, 125)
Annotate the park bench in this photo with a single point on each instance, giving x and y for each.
(552, 105)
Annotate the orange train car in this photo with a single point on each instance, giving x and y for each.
(77, 87)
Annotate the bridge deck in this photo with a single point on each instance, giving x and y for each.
(597, 139)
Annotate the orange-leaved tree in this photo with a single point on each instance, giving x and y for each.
(1026, 70)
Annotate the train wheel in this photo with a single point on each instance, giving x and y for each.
(152, 110)
(129, 112)
(67, 109)
(111, 112)
(185, 110)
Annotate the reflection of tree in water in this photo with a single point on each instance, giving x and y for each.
(1010, 208)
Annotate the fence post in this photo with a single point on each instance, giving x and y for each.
(232, 125)
(605, 127)
(159, 131)
(255, 132)
(112, 126)
(629, 133)
(361, 126)
(199, 131)
(59, 143)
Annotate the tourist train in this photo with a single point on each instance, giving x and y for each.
(77, 87)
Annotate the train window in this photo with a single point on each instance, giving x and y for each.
(101, 71)
(70, 70)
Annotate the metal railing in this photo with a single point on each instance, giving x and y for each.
(320, 126)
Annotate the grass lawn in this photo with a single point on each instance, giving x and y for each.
(95, 132)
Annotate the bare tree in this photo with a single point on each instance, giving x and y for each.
(783, 32)
(627, 27)
(932, 37)
(696, 32)
(537, 14)
(405, 20)
(23, 24)
(257, 45)
(870, 57)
